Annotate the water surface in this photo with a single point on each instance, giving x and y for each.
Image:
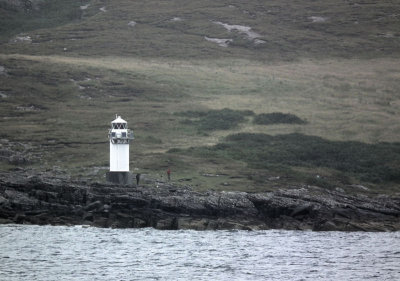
(79, 253)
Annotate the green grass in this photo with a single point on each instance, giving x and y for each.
(177, 90)
(350, 30)
(75, 99)
(223, 119)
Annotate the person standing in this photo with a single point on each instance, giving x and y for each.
(169, 174)
(137, 179)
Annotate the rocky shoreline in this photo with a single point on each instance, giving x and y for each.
(48, 200)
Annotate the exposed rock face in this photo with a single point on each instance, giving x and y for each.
(39, 200)
(15, 153)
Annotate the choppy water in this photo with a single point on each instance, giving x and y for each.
(77, 253)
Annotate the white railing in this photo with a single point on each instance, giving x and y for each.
(120, 137)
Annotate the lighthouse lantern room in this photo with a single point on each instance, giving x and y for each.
(120, 137)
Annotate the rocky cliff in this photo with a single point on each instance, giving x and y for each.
(49, 200)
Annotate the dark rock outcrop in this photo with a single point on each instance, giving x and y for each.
(40, 200)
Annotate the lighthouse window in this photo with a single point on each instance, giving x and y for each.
(113, 134)
(119, 125)
(124, 134)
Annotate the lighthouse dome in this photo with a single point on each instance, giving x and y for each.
(119, 123)
(119, 120)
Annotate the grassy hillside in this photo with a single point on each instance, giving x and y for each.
(333, 65)
(18, 16)
(280, 29)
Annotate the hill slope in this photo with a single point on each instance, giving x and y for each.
(163, 66)
(188, 29)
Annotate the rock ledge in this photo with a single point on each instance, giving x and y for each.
(39, 200)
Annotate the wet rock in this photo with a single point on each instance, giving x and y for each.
(94, 206)
(6, 221)
(301, 210)
(190, 223)
(137, 222)
(88, 217)
(326, 226)
(43, 199)
(166, 224)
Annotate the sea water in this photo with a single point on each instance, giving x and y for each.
(87, 253)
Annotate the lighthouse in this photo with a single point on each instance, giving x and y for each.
(120, 137)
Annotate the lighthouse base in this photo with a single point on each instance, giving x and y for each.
(123, 178)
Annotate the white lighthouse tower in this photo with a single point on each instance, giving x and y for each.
(120, 137)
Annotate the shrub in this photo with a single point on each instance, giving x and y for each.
(277, 118)
(368, 162)
(223, 119)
